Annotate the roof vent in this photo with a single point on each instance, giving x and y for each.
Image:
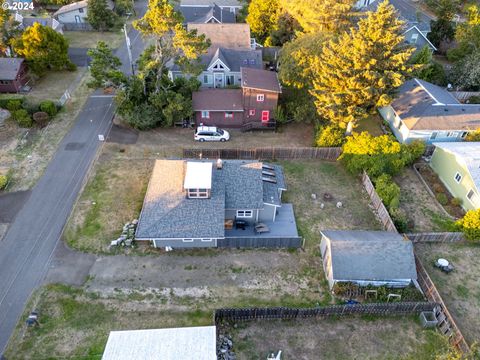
(269, 179)
(268, 167)
(445, 109)
(268, 173)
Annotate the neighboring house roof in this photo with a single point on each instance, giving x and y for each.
(9, 68)
(425, 106)
(204, 14)
(467, 153)
(421, 41)
(407, 13)
(233, 59)
(71, 7)
(260, 80)
(239, 185)
(230, 36)
(370, 256)
(218, 100)
(226, 3)
(165, 344)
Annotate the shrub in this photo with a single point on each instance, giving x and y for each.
(22, 118)
(3, 181)
(49, 107)
(14, 105)
(330, 136)
(5, 101)
(456, 201)
(475, 99)
(470, 225)
(473, 136)
(442, 198)
(438, 188)
(388, 191)
(41, 118)
(400, 219)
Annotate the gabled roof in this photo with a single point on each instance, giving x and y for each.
(416, 30)
(226, 3)
(425, 106)
(370, 255)
(466, 153)
(9, 68)
(217, 100)
(71, 7)
(219, 56)
(260, 80)
(230, 36)
(202, 14)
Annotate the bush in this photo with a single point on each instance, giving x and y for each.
(438, 188)
(41, 118)
(14, 105)
(22, 118)
(70, 66)
(388, 191)
(441, 198)
(475, 99)
(456, 202)
(330, 136)
(49, 107)
(400, 219)
(5, 101)
(470, 225)
(3, 181)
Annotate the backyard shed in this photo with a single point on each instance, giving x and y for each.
(186, 343)
(368, 258)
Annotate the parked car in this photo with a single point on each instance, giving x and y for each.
(211, 133)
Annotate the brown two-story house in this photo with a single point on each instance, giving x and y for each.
(251, 106)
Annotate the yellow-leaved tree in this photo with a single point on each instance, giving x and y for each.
(358, 71)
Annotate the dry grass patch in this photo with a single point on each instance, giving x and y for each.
(54, 84)
(461, 288)
(89, 39)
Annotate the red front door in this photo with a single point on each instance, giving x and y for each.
(265, 116)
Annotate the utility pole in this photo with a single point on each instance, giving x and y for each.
(129, 48)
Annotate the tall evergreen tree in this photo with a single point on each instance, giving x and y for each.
(99, 16)
(9, 30)
(104, 67)
(358, 71)
(263, 16)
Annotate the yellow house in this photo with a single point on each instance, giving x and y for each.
(458, 166)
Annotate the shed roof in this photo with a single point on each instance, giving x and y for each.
(425, 106)
(9, 68)
(260, 79)
(217, 100)
(198, 175)
(186, 343)
(370, 255)
(467, 153)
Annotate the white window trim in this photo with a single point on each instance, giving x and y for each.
(474, 194)
(187, 240)
(433, 135)
(455, 177)
(207, 113)
(197, 194)
(206, 240)
(260, 97)
(242, 214)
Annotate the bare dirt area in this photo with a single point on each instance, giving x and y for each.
(422, 210)
(344, 338)
(461, 288)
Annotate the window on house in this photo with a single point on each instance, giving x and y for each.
(252, 61)
(414, 38)
(452, 134)
(218, 66)
(80, 10)
(230, 80)
(265, 116)
(207, 79)
(228, 115)
(198, 193)
(260, 97)
(458, 177)
(205, 114)
(464, 134)
(4, 82)
(245, 61)
(251, 112)
(433, 136)
(244, 213)
(471, 195)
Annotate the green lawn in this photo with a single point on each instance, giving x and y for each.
(372, 125)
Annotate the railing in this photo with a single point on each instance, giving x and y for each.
(271, 125)
(273, 153)
(378, 205)
(446, 324)
(436, 237)
(379, 309)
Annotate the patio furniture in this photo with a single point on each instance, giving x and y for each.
(261, 228)
(241, 224)
(228, 224)
(444, 265)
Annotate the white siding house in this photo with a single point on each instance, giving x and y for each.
(75, 12)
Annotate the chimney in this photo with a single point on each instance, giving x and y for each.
(219, 164)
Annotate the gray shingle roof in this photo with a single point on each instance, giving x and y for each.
(371, 255)
(270, 190)
(235, 3)
(200, 14)
(9, 68)
(234, 59)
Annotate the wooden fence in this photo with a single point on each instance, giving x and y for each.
(377, 203)
(379, 309)
(464, 95)
(436, 237)
(271, 153)
(446, 324)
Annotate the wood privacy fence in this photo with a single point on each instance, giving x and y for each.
(446, 324)
(271, 153)
(380, 309)
(436, 237)
(377, 203)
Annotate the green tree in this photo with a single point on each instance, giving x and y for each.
(104, 67)
(9, 30)
(388, 191)
(466, 72)
(99, 16)
(43, 49)
(470, 225)
(263, 17)
(441, 32)
(330, 136)
(284, 31)
(467, 34)
(124, 7)
(428, 69)
(357, 72)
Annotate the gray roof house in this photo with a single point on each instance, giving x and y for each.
(26, 22)
(207, 14)
(427, 112)
(417, 23)
(230, 5)
(194, 203)
(367, 258)
(183, 343)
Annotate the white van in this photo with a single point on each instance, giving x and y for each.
(211, 133)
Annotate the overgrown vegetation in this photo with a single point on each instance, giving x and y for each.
(470, 225)
(26, 113)
(349, 290)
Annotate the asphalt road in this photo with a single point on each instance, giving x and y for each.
(27, 248)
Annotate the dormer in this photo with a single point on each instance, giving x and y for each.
(198, 180)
